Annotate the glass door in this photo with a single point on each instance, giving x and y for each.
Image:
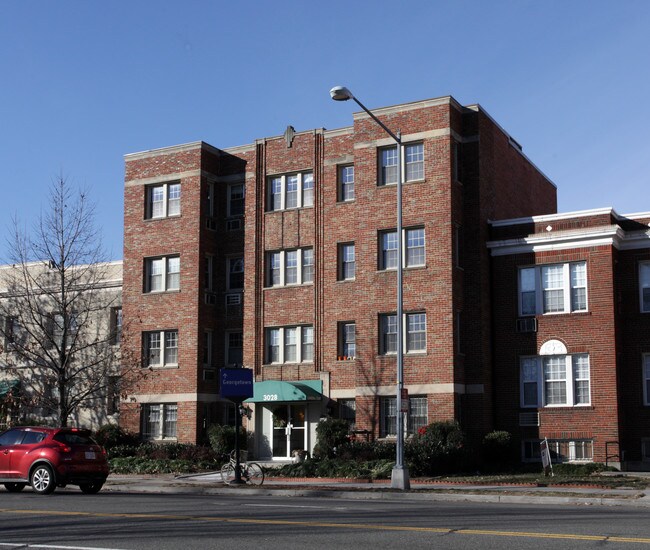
(288, 430)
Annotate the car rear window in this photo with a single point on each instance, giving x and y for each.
(74, 438)
(33, 437)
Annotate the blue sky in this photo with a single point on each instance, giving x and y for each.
(84, 82)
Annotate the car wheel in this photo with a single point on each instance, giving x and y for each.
(15, 487)
(91, 488)
(42, 480)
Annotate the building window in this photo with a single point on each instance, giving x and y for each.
(347, 262)
(163, 200)
(347, 340)
(646, 379)
(235, 273)
(112, 395)
(417, 415)
(159, 420)
(162, 274)
(645, 449)
(290, 344)
(412, 163)
(236, 194)
(290, 267)
(414, 251)
(555, 380)
(207, 348)
(209, 273)
(558, 288)
(644, 286)
(346, 183)
(14, 335)
(161, 348)
(291, 191)
(561, 450)
(348, 411)
(62, 326)
(414, 328)
(116, 325)
(234, 348)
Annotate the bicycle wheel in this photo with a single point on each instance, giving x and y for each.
(228, 473)
(255, 474)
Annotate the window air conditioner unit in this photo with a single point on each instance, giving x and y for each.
(233, 299)
(234, 224)
(527, 324)
(210, 298)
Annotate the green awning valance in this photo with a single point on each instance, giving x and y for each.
(276, 391)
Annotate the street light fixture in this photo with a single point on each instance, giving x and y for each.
(400, 474)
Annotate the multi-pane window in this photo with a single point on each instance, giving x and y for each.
(412, 163)
(234, 348)
(160, 348)
(64, 324)
(14, 334)
(162, 274)
(236, 195)
(561, 450)
(347, 262)
(417, 415)
(163, 200)
(644, 286)
(235, 273)
(646, 379)
(348, 411)
(291, 191)
(346, 183)
(207, 348)
(294, 344)
(116, 325)
(347, 340)
(158, 420)
(414, 328)
(555, 380)
(557, 288)
(209, 273)
(290, 267)
(414, 251)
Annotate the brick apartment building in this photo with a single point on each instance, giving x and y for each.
(311, 216)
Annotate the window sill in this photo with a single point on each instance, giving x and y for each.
(292, 285)
(162, 367)
(287, 364)
(173, 217)
(346, 280)
(394, 184)
(405, 268)
(159, 292)
(289, 209)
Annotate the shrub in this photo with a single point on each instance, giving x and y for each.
(112, 435)
(222, 438)
(498, 451)
(331, 433)
(580, 470)
(436, 449)
(366, 450)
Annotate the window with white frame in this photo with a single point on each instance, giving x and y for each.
(235, 273)
(290, 267)
(158, 420)
(236, 195)
(417, 415)
(292, 344)
(289, 191)
(555, 380)
(414, 251)
(646, 379)
(556, 288)
(163, 200)
(234, 348)
(347, 262)
(347, 340)
(561, 450)
(412, 163)
(644, 286)
(162, 274)
(346, 183)
(160, 348)
(414, 329)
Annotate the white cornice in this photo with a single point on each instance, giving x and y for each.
(554, 217)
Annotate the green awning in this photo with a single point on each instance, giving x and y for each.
(7, 387)
(276, 391)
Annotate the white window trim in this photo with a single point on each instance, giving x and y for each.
(539, 290)
(405, 339)
(283, 191)
(644, 282)
(282, 344)
(163, 409)
(227, 347)
(343, 263)
(230, 193)
(341, 183)
(380, 179)
(165, 272)
(283, 268)
(165, 206)
(570, 380)
(554, 447)
(405, 232)
(163, 346)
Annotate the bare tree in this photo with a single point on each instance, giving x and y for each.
(58, 294)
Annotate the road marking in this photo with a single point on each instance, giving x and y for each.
(357, 526)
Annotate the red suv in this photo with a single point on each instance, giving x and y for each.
(49, 457)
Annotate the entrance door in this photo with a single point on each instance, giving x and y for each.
(288, 430)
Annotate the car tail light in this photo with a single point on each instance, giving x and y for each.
(65, 448)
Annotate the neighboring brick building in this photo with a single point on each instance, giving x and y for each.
(313, 313)
(571, 295)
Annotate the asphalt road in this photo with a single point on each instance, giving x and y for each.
(71, 520)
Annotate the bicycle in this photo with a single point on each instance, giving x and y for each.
(251, 472)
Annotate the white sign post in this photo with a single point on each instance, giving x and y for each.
(546, 457)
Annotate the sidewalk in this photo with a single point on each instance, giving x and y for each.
(211, 483)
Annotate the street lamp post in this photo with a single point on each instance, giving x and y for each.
(400, 474)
